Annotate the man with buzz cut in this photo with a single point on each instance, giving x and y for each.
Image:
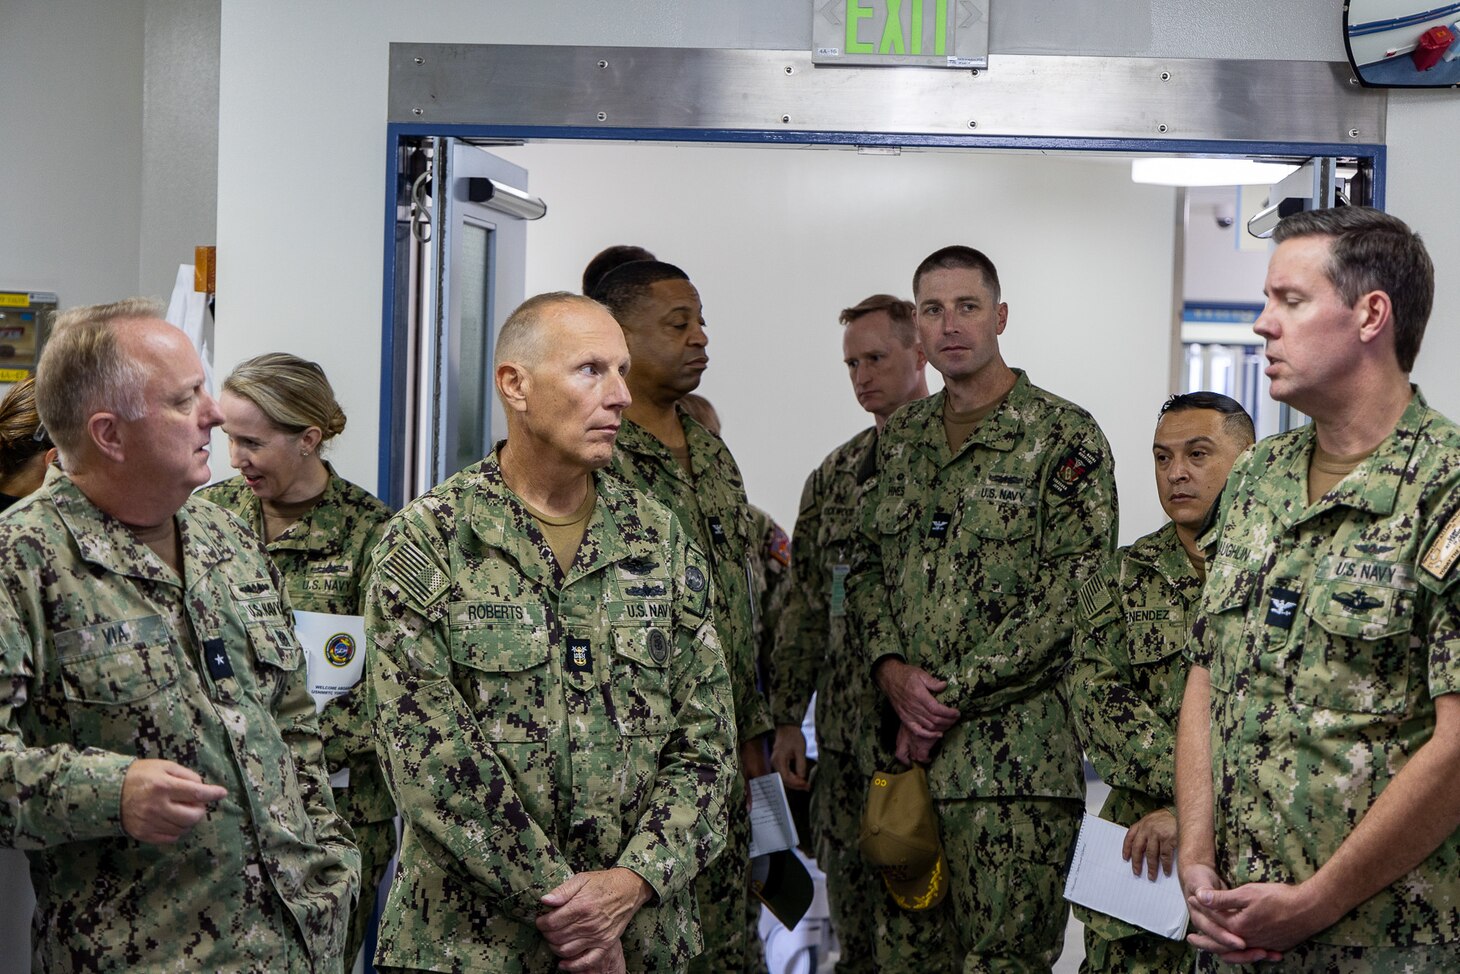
(994, 501)
(1126, 681)
(552, 709)
(812, 652)
(1318, 751)
(664, 452)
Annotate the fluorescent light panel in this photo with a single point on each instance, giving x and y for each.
(1207, 172)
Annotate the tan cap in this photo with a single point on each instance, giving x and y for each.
(899, 836)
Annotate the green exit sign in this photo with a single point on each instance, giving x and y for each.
(942, 33)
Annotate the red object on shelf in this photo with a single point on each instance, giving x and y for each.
(1433, 44)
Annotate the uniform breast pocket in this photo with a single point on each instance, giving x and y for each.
(1006, 553)
(1225, 599)
(1357, 656)
(119, 679)
(504, 674)
(642, 701)
(276, 649)
(895, 520)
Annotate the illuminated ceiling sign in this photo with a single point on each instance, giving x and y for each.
(931, 33)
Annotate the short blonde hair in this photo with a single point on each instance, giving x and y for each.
(293, 393)
(85, 369)
(520, 339)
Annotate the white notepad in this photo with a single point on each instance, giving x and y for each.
(1103, 881)
(771, 826)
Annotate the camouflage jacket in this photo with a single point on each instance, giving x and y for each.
(812, 652)
(106, 656)
(1327, 630)
(968, 567)
(1127, 678)
(534, 724)
(711, 505)
(770, 570)
(323, 557)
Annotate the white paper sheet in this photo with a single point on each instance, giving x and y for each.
(1103, 881)
(771, 827)
(334, 652)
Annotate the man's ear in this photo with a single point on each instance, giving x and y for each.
(1376, 315)
(513, 383)
(105, 430)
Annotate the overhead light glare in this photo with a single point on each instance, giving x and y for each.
(1207, 172)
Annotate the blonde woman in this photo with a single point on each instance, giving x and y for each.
(280, 413)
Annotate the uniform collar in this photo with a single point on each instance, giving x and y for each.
(1374, 484)
(1162, 551)
(106, 542)
(307, 534)
(498, 518)
(1000, 430)
(704, 446)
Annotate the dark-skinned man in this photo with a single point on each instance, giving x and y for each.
(994, 501)
(553, 712)
(812, 653)
(1129, 670)
(667, 454)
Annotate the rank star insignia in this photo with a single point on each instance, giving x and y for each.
(216, 658)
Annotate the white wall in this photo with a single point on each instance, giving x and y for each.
(778, 241)
(71, 72)
(300, 259)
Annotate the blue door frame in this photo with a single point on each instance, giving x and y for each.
(390, 448)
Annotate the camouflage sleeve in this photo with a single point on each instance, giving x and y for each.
(1126, 740)
(298, 723)
(800, 634)
(871, 623)
(682, 829)
(752, 713)
(48, 795)
(1029, 647)
(1198, 651)
(445, 775)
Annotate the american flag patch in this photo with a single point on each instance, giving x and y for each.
(415, 574)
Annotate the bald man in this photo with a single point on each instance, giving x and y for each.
(553, 711)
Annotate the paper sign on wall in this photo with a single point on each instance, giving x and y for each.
(334, 653)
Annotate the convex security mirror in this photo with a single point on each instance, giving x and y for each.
(1403, 43)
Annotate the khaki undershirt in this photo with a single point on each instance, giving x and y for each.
(280, 516)
(564, 534)
(1198, 565)
(681, 456)
(957, 426)
(165, 541)
(1325, 470)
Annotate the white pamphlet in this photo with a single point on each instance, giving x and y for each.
(1103, 881)
(771, 828)
(334, 652)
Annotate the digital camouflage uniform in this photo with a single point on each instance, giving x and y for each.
(969, 569)
(323, 557)
(813, 654)
(770, 573)
(105, 657)
(711, 505)
(1124, 688)
(1327, 630)
(534, 725)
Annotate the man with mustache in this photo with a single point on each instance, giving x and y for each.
(662, 451)
(1129, 671)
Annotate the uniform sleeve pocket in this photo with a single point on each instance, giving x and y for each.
(642, 700)
(1226, 597)
(117, 663)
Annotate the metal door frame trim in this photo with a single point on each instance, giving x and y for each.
(499, 112)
